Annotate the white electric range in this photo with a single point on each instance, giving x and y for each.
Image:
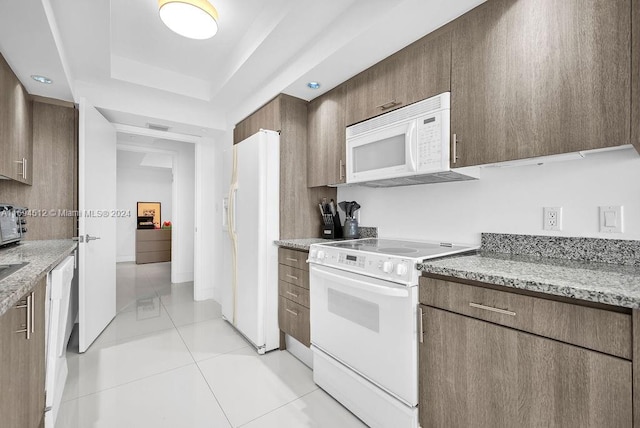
(364, 300)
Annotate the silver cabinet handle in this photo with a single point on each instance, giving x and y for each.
(291, 312)
(292, 294)
(341, 173)
(421, 325)
(454, 157)
(492, 309)
(28, 326)
(24, 168)
(291, 260)
(33, 312)
(388, 105)
(292, 277)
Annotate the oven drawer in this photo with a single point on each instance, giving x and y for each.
(293, 258)
(592, 328)
(293, 292)
(294, 320)
(293, 276)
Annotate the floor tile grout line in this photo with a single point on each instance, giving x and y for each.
(280, 407)
(214, 395)
(127, 383)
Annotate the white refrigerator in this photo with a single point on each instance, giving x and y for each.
(252, 222)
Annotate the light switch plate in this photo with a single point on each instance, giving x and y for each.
(611, 219)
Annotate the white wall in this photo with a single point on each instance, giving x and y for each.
(509, 200)
(141, 184)
(209, 239)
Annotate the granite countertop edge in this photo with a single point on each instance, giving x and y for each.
(543, 285)
(299, 244)
(19, 283)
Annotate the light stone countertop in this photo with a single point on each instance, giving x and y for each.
(612, 284)
(300, 244)
(42, 256)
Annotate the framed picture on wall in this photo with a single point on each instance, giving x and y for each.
(149, 212)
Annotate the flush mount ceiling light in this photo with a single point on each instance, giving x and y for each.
(41, 79)
(195, 19)
(313, 85)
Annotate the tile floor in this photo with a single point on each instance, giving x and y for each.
(166, 361)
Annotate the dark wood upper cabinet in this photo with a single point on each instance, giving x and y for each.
(327, 139)
(15, 127)
(266, 117)
(540, 77)
(419, 71)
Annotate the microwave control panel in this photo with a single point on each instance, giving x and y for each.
(430, 143)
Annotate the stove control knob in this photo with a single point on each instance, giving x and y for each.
(401, 269)
(320, 254)
(387, 267)
(312, 254)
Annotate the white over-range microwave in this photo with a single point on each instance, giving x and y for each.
(407, 146)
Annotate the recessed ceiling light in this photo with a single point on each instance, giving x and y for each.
(313, 85)
(194, 19)
(41, 79)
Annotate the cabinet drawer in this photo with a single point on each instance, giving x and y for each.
(294, 320)
(293, 292)
(597, 329)
(294, 276)
(293, 258)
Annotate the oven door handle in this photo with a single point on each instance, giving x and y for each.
(362, 285)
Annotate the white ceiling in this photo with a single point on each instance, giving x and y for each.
(120, 57)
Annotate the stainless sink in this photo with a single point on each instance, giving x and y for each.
(8, 269)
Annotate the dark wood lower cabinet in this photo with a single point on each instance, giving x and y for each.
(293, 300)
(478, 374)
(22, 364)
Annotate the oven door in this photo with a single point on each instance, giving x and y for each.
(368, 325)
(387, 152)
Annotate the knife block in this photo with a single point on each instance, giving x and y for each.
(334, 230)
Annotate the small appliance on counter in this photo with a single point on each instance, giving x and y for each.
(13, 224)
(351, 230)
(145, 222)
(331, 228)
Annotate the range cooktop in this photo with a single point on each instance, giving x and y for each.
(389, 259)
(406, 249)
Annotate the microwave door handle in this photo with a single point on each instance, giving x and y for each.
(411, 138)
(362, 285)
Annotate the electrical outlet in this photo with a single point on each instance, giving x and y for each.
(552, 218)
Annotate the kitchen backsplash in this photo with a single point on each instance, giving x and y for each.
(617, 251)
(509, 200)
(368, 232)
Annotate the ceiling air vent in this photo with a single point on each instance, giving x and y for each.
(157, 127)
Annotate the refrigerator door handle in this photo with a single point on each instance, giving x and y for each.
(234, 193)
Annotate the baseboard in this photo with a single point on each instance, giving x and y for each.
(205, 294)
(179, 277)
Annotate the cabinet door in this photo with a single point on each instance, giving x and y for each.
(15, 126)
(22, 135)
(22, 364)
(326, 155)
(477, 374)
(266, 117)
(7, 168)
(540, 77)
(419, 71)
